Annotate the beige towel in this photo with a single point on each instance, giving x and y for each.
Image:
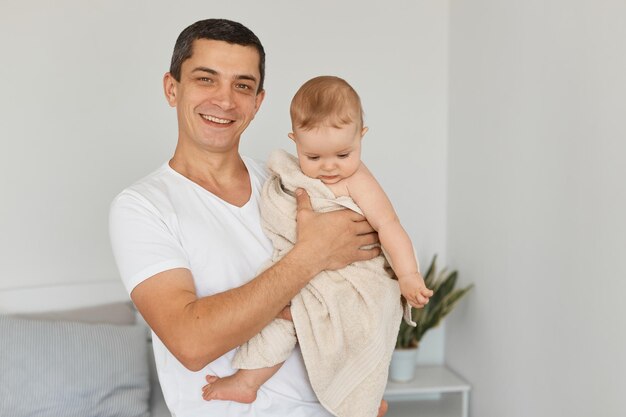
(346, 320)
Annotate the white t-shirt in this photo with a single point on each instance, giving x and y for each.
(167, 221)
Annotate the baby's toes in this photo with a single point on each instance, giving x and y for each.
(211, 379)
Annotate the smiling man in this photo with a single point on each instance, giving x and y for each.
(188, 241)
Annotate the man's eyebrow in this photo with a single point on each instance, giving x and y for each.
(213, 72)
(205, 69)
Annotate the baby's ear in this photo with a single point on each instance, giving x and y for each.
(364, 131)
(291, 136)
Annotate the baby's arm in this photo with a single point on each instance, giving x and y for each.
(371, 198)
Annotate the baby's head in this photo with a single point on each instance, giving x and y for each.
(325, 101)
(327, 123)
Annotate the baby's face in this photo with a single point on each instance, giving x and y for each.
(329, 153)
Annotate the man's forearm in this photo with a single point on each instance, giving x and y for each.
(203, 329)
(233, 317)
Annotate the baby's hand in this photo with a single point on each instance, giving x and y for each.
(414, 290)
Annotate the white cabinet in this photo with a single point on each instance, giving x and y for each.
(436, 391)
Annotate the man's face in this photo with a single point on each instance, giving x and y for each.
(328, 153)
(216, 98)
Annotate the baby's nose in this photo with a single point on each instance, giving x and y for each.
(328, 165)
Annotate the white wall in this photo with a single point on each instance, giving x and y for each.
(536, 205)
(84, 113)
(536, 183)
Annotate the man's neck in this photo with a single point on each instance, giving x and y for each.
(223, 174)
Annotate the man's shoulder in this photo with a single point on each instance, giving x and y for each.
(156, 178)
(149, 188)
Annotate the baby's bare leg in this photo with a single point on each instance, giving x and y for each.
(240, 387)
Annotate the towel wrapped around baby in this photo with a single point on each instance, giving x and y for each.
(346, 320)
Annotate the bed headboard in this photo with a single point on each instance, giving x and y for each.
(61, 296)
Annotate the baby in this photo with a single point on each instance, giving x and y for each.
(327, 123)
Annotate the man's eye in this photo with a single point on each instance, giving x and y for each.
(343, 155)
(313, 158)
(244, 87)
(205, 79)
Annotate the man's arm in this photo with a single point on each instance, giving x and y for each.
(199, 330)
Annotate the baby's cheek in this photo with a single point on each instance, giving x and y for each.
(308, 169)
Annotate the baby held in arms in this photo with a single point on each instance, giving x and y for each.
(327, 124)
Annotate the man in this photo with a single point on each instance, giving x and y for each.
(188, 241)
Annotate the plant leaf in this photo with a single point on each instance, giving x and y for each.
(441, 304)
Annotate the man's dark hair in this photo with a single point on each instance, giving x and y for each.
(218, 30)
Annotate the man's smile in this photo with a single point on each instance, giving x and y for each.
(215, 119)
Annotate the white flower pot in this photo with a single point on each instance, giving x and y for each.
(402, 367)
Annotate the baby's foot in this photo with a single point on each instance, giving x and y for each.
(231, 388)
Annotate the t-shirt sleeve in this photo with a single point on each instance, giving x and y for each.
(142, 243)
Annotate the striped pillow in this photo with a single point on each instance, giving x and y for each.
(70, 369)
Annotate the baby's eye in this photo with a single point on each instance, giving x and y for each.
(343, 155)
(313, 158)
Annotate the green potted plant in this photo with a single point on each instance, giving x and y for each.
(443, 301)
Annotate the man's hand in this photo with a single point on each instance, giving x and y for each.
(285, 314)
(335, 239)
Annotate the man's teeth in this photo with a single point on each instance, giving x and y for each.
(214, 119)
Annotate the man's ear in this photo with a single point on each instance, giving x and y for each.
(291, 136)
(169, 88)
(364, 131)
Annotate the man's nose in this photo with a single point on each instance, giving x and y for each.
(224, 97)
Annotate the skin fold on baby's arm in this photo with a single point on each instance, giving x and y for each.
(367, 193)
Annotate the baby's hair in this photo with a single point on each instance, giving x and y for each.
(325, 101)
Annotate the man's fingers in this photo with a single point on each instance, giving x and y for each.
(367, 254)
(351, 215)
(356, 217)
(363, 227)
(368, 239)
(285, 314)
(303, 200)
